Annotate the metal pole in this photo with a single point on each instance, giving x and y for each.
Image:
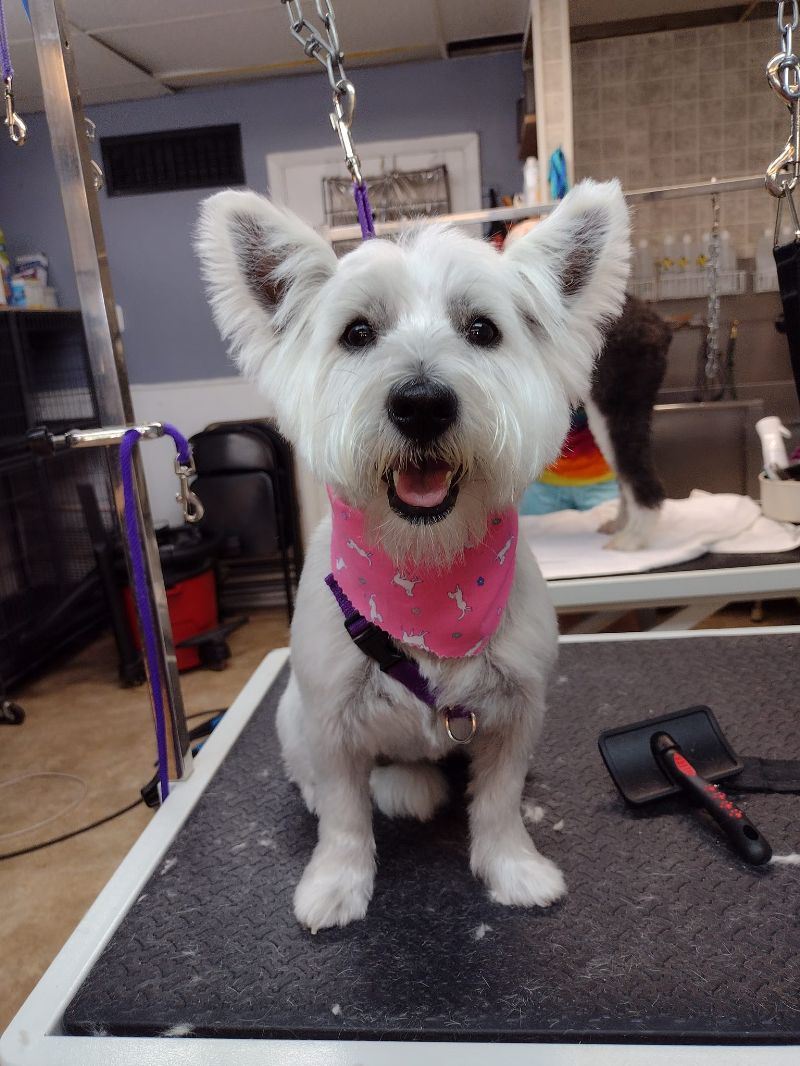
(73, 162)
(516, 214)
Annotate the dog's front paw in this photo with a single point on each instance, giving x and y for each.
(524, 878)
(628, 540)
(335, 889)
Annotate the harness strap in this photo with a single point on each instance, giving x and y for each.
(380, 647)
(766, 775)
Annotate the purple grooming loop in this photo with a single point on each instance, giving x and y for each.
(139, 576)
(7, 70)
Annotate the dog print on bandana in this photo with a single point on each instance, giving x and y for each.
(450, 613)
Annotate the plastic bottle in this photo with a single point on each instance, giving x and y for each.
(772, 433)
(687, 257)
(702, 251)
(667, 262)
(727, 254)
(644, 268)
(765, 264)
(530, 178)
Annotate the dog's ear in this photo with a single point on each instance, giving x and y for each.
(262, 267)
(574, 267)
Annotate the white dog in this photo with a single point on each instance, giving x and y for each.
(427, 382)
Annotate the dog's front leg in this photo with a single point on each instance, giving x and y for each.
(502, 852)
(336, 886)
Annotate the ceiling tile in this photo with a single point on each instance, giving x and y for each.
(217, 42)
(92, 15)
(102, 75)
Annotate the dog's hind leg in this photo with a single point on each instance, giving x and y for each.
(408, 790)
(294, 745)
(626, 380)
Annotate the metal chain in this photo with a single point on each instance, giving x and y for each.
(325, 48)
(712, 337)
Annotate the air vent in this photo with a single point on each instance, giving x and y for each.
(198, 158)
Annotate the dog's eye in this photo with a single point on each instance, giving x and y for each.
(358, 334)
(482, 332)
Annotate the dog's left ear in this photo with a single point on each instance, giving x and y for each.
(263, 268)
(574, 268)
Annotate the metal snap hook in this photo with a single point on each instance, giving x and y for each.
(190, 502)
(17, 130)
(460, 736)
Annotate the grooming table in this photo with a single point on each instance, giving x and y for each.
(191, 953)
(701, 586)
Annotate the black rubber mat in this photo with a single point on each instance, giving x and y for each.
(665, 935)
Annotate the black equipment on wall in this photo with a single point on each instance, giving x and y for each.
(50, 593)
(245, 480)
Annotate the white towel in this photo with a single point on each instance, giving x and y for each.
(567, 545)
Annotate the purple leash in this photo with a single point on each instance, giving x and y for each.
(365, 219)
(139, 575)
(378, 645)
(7, 70)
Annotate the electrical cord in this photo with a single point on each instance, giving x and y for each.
(45, 821)
(74, 833)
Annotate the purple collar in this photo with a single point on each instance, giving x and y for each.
(377, 645)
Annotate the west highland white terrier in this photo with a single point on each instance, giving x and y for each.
(426, 382)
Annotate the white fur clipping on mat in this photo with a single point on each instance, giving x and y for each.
(792, 859)
(567, 545)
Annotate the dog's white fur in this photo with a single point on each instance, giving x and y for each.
(282, 300)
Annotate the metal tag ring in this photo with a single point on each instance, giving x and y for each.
(473, 721)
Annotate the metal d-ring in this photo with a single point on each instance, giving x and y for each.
(473, 721)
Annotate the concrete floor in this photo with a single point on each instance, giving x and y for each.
(79, 721)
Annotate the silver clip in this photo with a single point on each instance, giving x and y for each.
(193, 509)
(344, 105)
(17, 130)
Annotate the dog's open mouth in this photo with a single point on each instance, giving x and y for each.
(423, 492)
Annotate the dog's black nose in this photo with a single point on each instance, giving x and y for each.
(422, 410)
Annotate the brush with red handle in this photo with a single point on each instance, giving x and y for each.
(739, 830)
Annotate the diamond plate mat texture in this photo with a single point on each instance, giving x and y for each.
(665, 935)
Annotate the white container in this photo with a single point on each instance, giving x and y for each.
(530, 179)
(780, 499)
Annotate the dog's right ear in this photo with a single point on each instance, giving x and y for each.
(262, 267)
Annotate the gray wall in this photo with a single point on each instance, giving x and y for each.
(169, 334)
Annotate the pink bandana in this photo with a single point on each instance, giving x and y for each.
(452, 614)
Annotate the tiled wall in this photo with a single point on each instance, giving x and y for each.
(682, 106)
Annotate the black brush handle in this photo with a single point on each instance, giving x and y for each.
(733, 822)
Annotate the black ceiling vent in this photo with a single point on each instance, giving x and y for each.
(199, 158)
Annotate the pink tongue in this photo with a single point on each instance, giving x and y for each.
(422, 486)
